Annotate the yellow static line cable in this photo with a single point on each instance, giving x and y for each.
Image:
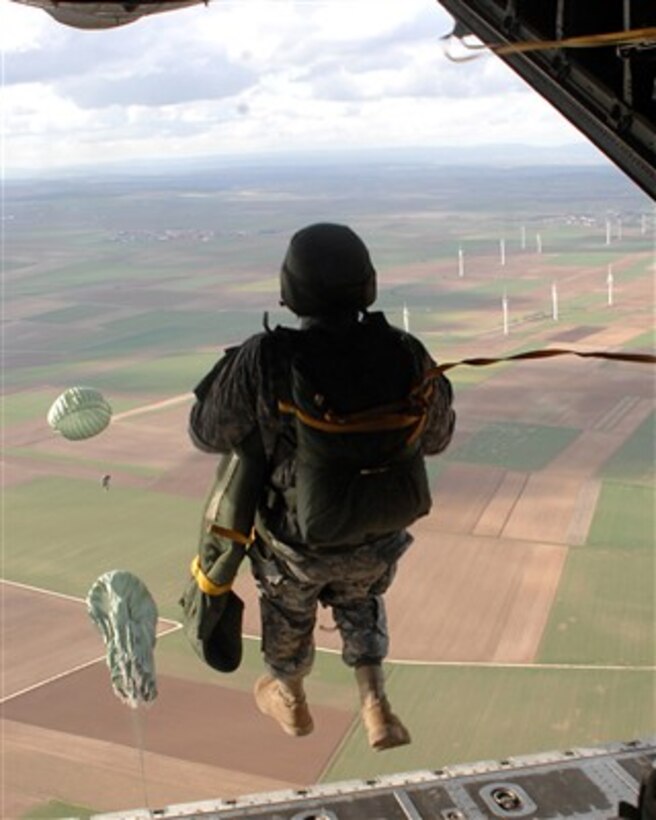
(619, 38)
(638, 35)
(547, 353)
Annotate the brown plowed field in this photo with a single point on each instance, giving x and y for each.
(463, 598)
(44, 764)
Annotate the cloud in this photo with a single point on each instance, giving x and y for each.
(56, 51)
(134, 65)
(167, 85)
(255, 75)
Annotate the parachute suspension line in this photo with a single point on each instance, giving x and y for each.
(138, 725)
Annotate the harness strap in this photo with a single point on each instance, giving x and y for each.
(232, 535)
(373, 421)
(393, 417)
(204, 583)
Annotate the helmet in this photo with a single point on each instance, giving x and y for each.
(327, 269)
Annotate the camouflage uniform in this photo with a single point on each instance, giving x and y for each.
(351, 583)
(239, 396)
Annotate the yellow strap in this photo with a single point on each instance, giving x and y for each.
(204, 583)
(610, 38)
(232, 535)
(393, 419)
(347, 424)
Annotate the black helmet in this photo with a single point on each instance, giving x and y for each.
(327, 270)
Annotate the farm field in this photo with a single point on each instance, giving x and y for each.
(522, 618)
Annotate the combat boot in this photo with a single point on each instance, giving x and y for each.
(283, 699)
(384, 729)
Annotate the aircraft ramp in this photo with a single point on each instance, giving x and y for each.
(581, 783)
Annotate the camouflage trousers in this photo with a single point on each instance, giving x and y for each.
(292, 585)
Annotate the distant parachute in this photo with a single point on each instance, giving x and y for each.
(88, 15)
(79, 413)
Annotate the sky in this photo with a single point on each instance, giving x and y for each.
(249, 76)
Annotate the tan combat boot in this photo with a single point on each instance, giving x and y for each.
(384, 729)
(283, 699)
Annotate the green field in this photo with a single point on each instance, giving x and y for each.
(26, 405)
(625, 517)
(460, 713)
(175, 330)
(168, 375)
(644, 340)
(61, 534)
(468, 713)
(635, 461)
(605, 608)
(604, 612)
(54, 809)
(514, 445)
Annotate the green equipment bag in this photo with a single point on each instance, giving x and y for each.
(211, 611)
(359, 407)
(213, 626)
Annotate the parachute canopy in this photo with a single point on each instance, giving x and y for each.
(79, 413)
(124, 611)
(89, 15)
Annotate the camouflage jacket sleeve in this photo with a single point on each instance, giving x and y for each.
(441, 420)
(225, 411)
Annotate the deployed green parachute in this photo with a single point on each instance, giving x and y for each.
(79, 413)
(124, 611)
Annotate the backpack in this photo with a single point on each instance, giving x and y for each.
(358, 404)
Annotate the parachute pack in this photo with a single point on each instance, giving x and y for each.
(359, 414)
